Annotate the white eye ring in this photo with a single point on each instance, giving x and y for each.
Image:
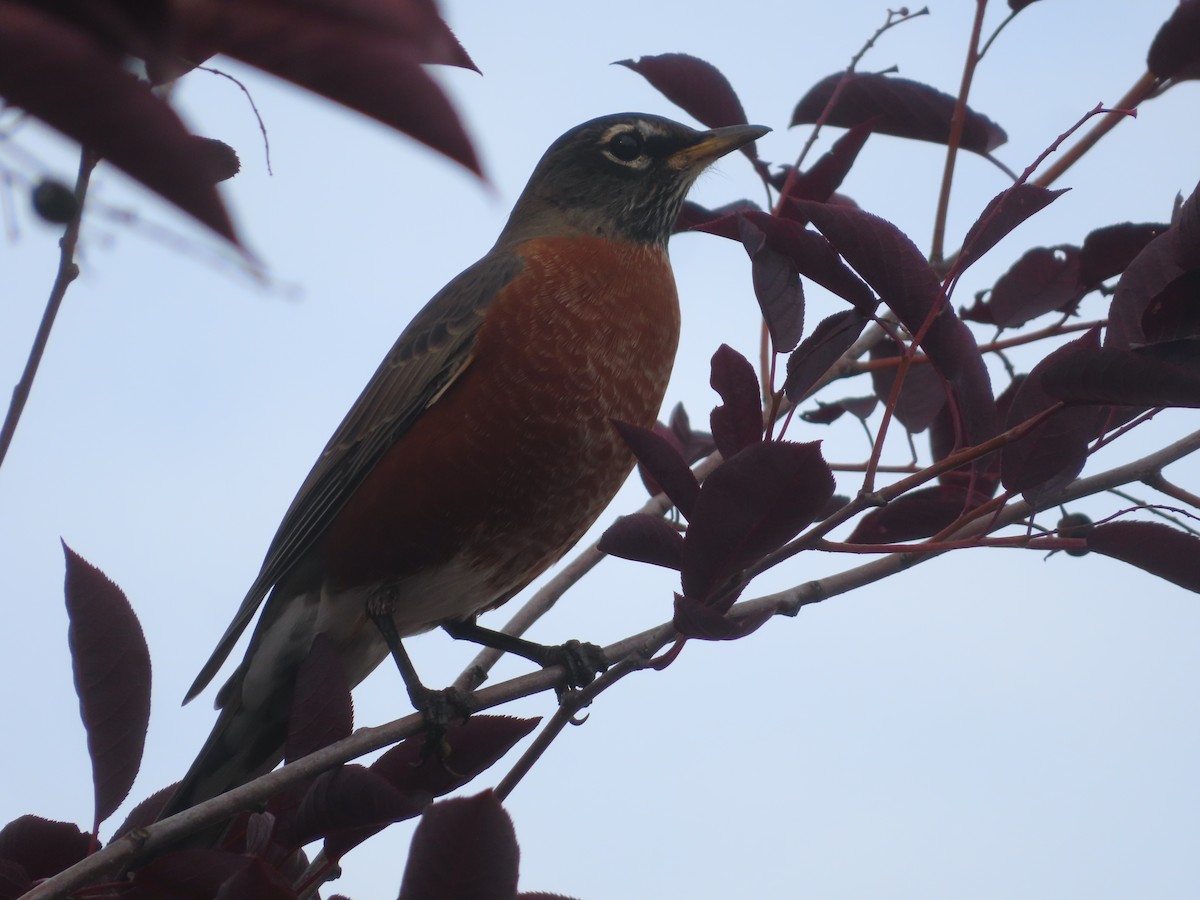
(626, 146)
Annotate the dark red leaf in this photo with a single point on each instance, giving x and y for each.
(753, 504)
(663, 463)
(738, 421)
(43, 847)
(1044, 280)
(1053, 453)
(693, 216)
(1174, 313)
(1004, 212)
(14, 880)
(776, 286)
(824, 347)
(922, 395)
(892, 265)
(1166, 374)
(1158, 549)
(474, 746)
(322, 711)
(694, 619)
(695, 86)
(463, 848)
(827, 413)
(1107, 251)
(348, 57)
(351, 798)
(147, 811)
(221, 159)
(112, 678)
(72, 83)
(184, 874)
(912, 516)
(541, 895)
(694, 445)
(256, 881)
(826, 175)
(896, 106)
(1175, 51)
(1161, 262)
(1018, 5)
(644, 538)
(811, 253)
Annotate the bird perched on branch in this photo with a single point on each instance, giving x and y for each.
(482, 448)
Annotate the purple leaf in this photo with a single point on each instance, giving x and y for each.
(753, 504)
(1166, 374)
(1175, 51)
(892, 265)
(826, 175)
(663, 463)
(1004, 212)
(1161, 262)
(184, 874)
(1050, 456)
(896, 106)
(474, 746)
(1107, 251)
(1044, 280)
(776, 286)
(693, 445)
(1174, 313)
(350, 798)
(824, 347)
(644, 538)
(1156, 548)
(693, 216)
(256, 881)
(463, 848)
(922, 395)
(322, 711)
(112, 678)
(71, 82)
(43, 847)
(912, 516)
(738, 421)
(811, 253)
(694, 619)
(828, 413)
(695, 86)
(345, 52)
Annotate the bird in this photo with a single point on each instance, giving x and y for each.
(483, 446)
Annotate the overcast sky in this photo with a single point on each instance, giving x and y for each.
(988, 725)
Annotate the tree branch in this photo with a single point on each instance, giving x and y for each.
(68, 271)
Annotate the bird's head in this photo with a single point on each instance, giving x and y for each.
(622, 176)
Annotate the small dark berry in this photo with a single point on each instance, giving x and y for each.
(54, 202)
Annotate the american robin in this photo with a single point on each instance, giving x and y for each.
(482, 448)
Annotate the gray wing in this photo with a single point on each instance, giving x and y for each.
(431, 352)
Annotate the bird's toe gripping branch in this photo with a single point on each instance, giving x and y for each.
(581, 661)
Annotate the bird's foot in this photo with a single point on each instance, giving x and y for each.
(581, 661)
(440, 710)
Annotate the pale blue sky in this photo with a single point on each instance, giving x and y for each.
(987, 725)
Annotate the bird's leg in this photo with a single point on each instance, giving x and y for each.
(439, 708)
(582, 661)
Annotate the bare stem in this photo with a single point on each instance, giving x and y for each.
(1141, 90)
(67, 272)
(957, 122)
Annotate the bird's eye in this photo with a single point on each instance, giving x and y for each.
(626, 146)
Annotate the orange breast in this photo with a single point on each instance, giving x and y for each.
(517, 458)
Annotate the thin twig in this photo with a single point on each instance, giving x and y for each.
(1141, 90)
(68, 271)
(957, 122)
